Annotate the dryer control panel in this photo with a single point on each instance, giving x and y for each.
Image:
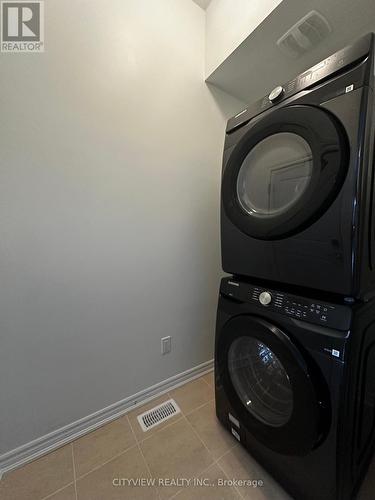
(328, 67)
(335, 316)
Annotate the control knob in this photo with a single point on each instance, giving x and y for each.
(276, 93)
(265, 298)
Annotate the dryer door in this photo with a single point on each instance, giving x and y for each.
(270, 385)
(285, 172)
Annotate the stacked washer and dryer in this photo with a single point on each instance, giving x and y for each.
(295, 334)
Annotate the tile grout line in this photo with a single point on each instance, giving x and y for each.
(141, 452)
(211, 371)
(58, 491)
(215, 462)
(189, 424)
(201, 440)
(161, 429)
(139, 443)
(198, 436)
(226, 475)
(226, 452)
(200, 473)
(201, 406)
(242, 496)
(106, 462)
(195, 432)
(74, 471)
(73, 483)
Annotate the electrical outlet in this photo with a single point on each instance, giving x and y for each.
(166, 346)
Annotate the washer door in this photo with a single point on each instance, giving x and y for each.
(270, 386)
(285, 172)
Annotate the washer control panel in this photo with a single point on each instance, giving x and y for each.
(335, 316)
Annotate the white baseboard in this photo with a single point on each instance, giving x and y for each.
(45, 444)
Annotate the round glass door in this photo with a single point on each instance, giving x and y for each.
(277, 393)
(284, 171)
(274, 174)
(260, 380)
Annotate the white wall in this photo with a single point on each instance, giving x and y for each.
(110, 153)
(228, 23)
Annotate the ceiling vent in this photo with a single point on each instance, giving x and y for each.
(305, 34)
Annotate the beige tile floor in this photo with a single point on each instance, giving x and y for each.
(189, 445)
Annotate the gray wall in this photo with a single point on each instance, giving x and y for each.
(110, 150)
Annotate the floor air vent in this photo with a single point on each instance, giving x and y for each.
(158, 414)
